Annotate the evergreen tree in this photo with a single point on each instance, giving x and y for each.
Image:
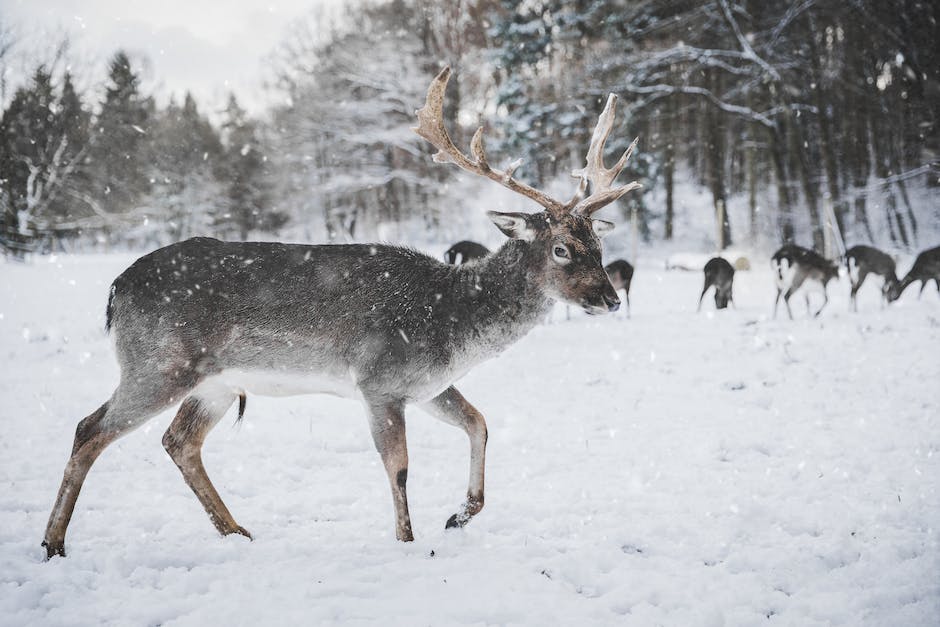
(73, 121)
(119, 138)
(41, 145)
(183, 155)
(244, 176)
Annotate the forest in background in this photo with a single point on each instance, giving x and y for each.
(808, 113)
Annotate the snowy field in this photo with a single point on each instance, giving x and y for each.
(672, 469)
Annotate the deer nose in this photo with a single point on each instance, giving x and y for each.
(613, 303)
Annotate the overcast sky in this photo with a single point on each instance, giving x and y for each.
(205, 46)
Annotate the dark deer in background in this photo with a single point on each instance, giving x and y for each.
(720, 275)
(860, 261)
(620, 273)
(926, 268)
(793, 266)
(464, 251)
(203, 321)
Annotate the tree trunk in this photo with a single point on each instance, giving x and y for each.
(785, 204)
(798, 153)
(669, 163)
(883, 171)
(716, 171)
(750, 172)
(822, 98)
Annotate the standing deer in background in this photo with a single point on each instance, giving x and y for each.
(620, 273)
(720, 274)
(864, 260)
(203, 321)
(466, 251)
(794, 265)
(926, 268)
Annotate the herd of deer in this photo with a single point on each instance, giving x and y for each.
(793, 266)
(202, 322)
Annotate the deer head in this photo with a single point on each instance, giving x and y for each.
(563, 240)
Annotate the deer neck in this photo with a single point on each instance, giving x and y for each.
(504, 296)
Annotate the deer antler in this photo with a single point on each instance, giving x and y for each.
(431, 127)
(600, 177)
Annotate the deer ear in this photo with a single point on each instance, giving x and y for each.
(514, 225)
(602, 227)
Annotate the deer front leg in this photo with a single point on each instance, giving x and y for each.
(387, 421)
(451, 407)
(705, 289)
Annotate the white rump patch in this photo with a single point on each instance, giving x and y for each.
(783, 274)
(853, 270)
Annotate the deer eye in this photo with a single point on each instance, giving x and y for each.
(561, 254)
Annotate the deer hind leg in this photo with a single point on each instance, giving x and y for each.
(786, 301)
(825, 294)
(451, 407)
(855, 286)
(129, 407)
(183, 440)
(387, 422)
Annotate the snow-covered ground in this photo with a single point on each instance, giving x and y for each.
(672, 469)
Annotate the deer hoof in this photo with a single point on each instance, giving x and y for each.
(405, 536)
(53, 549)
(457, 520)
(240, 531)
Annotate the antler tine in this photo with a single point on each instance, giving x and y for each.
(431, 127)
(600, 177)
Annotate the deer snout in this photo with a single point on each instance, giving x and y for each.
(612, 302)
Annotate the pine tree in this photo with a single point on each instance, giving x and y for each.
(244, 176)
(72, 122)
(119, 138)
(41, 143)
(183, 154)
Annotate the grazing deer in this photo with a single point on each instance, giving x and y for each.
(793, 266)
(620, 273)
(720, 274)
(203, 321)
(466, 251)
(864, 260)
(926, 268)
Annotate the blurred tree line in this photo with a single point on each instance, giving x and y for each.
(810, 114)
(124, 169)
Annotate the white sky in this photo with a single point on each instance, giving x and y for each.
(206, 46)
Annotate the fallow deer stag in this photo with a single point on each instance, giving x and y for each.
(203, 321)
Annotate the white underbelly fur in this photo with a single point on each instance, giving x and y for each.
(275, 383)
